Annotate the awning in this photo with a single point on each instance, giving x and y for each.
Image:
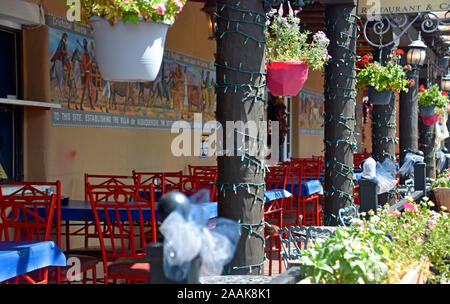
(15, 13)
(29, 103)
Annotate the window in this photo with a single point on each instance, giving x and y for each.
(11, 117)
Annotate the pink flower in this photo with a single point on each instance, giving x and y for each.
(161, 9)
(431, 223)
(394, 212)
(179, 4)
(409, 206)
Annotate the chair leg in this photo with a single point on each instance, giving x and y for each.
(94, 275)
(270, 255)
(317, 212)
(279, 257)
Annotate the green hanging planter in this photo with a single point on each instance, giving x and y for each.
(427, 111)
(379, 98)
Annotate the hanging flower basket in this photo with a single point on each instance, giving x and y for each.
(430, 120)
(427, 111)
(379, 98)
(286, 78)
(442, 196)
(127, 52)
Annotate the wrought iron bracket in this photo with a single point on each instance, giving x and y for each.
(382, 24)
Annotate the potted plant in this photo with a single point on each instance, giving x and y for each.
(130, 35)
(388, 247)
(382, 80)
(441, 189)
(429, 100)
(289, 54)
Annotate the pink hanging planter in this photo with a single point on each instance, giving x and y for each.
(430, 120)
(286, 78)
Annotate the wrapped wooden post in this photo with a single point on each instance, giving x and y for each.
(240, 91)
(426, 144)
(340, 79)
(408, 118)
(384, 131)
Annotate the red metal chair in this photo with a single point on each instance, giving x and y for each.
(202, 170)
(205, 178)
(308, 205)
(114, 207)
(88, 230)
(276, 178)
(358, 158)
(58, 274)
(20, 220)
(161, 181)
(356, 194)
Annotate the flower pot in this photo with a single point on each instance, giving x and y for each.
(379, 98)
(442, 196)
(286, 78)
(430, 120)
(127, 52)
(415, 275)
(426, 111)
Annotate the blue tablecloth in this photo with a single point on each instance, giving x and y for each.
(274, 194)
(307, 188)
(79, 210)
(17, 258)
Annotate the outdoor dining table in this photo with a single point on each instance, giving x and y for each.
(81, 210)
(17, 258)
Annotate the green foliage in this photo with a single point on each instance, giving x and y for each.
(381, 248)
(388, 77)
(285, 41)
(418, 234)
(131, 11)
(443, 180)
(348, 258)
(432, 97)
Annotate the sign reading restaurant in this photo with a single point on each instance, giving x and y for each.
(378, 7)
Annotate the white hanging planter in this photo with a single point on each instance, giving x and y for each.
(127, 52)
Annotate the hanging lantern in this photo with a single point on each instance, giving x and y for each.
(417, 52)
(210, 10)
(445, 82)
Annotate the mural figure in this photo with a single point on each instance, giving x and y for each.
(176, 85)
(87, 74)
(311, 111)
(60, 61)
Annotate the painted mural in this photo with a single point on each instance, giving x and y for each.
(180, 89)
(311, 112)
